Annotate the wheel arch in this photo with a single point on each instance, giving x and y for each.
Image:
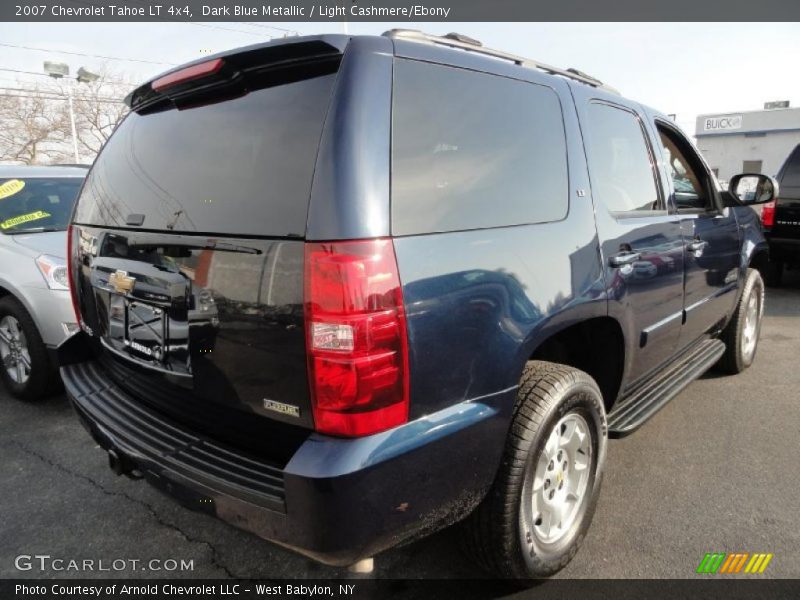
(754, 247)
(759, 259)
(7, 289)
(595, 345)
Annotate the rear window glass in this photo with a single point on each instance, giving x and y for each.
(37, 204)
(472, 150)
(242, 166)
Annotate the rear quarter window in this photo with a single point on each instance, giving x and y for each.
(472, 150)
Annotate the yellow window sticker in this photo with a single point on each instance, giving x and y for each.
(39, 214)
(11, 187)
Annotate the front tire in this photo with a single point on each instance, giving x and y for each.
(741, 334)
(25, 367)
(536, 515)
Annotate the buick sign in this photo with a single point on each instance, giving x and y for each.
(724, 123)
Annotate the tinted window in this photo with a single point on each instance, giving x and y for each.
(620, 164)
(472, 150)
(37, 204)
(242, 166)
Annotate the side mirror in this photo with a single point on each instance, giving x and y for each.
(753, 188)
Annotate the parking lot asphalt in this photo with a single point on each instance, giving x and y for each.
(715, 471)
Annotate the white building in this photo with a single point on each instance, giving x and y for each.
(748, 141)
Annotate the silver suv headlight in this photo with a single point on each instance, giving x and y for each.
(54, 271)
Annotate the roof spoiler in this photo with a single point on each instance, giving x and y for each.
(227, 72)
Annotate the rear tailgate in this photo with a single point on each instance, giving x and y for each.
(189, 247)
(787, 213)
(787, 209)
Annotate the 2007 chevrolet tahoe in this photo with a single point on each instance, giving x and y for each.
(344, 291)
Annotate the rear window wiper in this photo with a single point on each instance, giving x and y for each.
(35, 230)
(212, 245)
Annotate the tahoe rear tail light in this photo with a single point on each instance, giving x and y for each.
(768, 214)
(356, 337)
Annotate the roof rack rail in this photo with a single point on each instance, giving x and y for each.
(463, 42)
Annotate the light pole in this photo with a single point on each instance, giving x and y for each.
(59, 70)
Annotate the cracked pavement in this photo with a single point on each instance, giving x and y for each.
(716, 470)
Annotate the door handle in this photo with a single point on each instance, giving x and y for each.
(696, 246)
(624, 258)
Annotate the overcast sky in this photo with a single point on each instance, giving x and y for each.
(681, 68)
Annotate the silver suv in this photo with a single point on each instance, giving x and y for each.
(36, 312)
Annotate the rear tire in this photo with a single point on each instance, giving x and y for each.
(25, 366)
(537, 512)
(741, 334)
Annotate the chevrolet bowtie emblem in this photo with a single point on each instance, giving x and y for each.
(121, 282)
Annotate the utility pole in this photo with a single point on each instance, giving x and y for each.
(72, 123)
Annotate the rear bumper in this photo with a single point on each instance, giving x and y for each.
(783, 248)
(336, 500)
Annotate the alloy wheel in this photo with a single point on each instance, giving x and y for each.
(14, 354)
(750, 328)
(561, 478)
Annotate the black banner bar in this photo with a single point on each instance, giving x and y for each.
(712, 587)
(400, 11)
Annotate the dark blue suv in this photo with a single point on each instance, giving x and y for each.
(342, 292)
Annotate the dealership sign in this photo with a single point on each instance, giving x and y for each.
(724, 123)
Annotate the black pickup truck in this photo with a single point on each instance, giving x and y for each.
(342, 292)
(781, 221)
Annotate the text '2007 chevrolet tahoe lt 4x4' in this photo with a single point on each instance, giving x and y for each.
(342, 292)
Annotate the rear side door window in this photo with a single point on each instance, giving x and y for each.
(472, 150)
(622, 168)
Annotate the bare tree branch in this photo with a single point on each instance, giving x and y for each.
(36, 125)
(33, 128)
(96, 115)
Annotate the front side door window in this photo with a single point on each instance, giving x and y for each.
(691, 191)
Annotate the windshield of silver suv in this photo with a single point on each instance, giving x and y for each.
(30, 205)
